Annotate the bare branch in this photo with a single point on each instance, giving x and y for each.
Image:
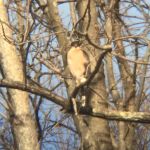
(138, 117)
(36, 90)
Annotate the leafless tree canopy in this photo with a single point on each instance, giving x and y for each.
(41, 106)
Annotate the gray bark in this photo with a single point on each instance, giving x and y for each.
(21, 119)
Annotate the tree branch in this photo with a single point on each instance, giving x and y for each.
(36, 90)
(139, 117)
(127, 116)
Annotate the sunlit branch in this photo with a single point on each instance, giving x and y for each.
(35, 90)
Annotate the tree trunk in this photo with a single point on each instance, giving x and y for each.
(94, 132)
(126, 130)
(23, 125)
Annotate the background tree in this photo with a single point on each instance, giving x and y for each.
(34, 42)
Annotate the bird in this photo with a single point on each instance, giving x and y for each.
(79, 64)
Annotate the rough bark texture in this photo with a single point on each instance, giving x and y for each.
(126, 131)
(94, 132)
(117, 88)
(23, 125)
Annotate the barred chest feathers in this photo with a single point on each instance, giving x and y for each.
(78, 62)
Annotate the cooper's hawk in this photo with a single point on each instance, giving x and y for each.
(78, 62)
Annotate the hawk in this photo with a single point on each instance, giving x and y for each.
(78, 62)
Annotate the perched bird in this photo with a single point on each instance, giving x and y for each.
(79, 65)
(78, 62)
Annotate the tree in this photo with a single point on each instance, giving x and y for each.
(23, 126)
(40, 103)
